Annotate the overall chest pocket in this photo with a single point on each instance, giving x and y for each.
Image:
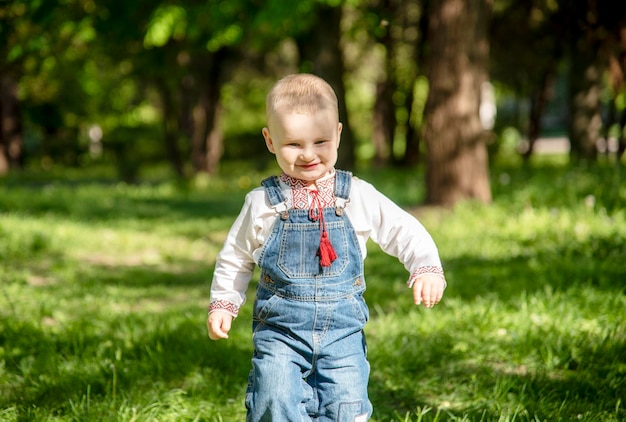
(299, 245)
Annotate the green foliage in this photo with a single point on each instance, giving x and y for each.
(167, 22)
(104, 288)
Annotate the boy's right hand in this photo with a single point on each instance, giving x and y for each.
(218, 324)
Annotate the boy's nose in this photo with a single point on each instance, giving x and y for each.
(307, 154)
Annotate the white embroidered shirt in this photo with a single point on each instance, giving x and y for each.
(372, 214)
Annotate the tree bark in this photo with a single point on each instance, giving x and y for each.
(211, 73)
(321, 54)
(621, 147)
(415, 131)
(170, 128)
(585, 122)
(11, 141)
(457, 164)
(537, 106)
(214, 141)
(384, 113)
(621, 64)
(206, 136)
(412, 151)
(384, 125)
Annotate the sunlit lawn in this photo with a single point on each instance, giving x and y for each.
(104, 289)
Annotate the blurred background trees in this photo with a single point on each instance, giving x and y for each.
(136, 83)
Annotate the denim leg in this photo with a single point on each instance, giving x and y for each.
(342, 374)
(276, 390)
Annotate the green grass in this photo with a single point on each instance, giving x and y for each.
(104, 289)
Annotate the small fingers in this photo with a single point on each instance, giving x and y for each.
(427, 295)
(435, 294)
(417, 292)
(218, 326)
(428, 290)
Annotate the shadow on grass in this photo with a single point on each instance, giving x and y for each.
(587, 382)
(581, 376)
(599, 263)
(557, 185)
(135, 355)
(130, 357)
(129, 332)
(180, 274)
(98, 203)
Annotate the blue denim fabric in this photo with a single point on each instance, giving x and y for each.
(310, 357)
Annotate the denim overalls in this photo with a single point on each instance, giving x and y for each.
(309, 361)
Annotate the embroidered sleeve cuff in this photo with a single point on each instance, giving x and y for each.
(224, 305)
(431, 269)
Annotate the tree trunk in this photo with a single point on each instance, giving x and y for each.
(621, 63)
(206, 135)
(384, 125)
(415, 130)
(210, 73)
(170, 128)
(412, 150)
(611, 119)
(384, 112)
(585, 122)
(11, 141)
(615, 74)
(457, 167)
(621, 147)
(215, 141)
(537, 106)
(320, 54)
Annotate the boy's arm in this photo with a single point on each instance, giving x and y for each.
(400, 234)
(234, 267)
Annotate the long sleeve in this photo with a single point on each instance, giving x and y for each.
(397, 232)
(372, 215)
(235, 262)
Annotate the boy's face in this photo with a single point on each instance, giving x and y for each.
(305, 145)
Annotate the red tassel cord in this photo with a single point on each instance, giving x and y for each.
(326, 251)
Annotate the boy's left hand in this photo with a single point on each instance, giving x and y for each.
(428, 289)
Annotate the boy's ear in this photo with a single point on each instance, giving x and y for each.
(339, 127)
(268, 140)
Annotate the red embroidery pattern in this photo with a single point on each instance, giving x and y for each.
(429, 269)
(300, 198)
(300, 193)
(224, 305)
(326, 192)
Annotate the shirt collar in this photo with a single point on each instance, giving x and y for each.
(326, 183)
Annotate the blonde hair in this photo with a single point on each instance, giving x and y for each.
(300, 93)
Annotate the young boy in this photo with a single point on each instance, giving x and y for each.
(307, 231)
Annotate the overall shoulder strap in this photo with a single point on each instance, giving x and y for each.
(273, 191)
(343, 180)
